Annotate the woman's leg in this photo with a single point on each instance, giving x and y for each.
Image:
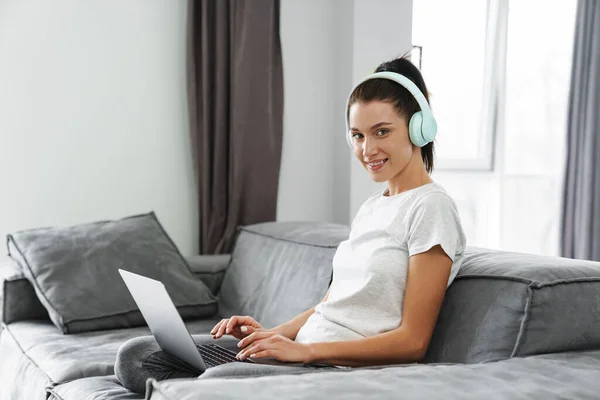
(141, 358)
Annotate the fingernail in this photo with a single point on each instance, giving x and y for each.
(244, 329)
(252, 355)
(239, 344)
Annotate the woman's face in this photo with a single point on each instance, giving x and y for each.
(379, 133)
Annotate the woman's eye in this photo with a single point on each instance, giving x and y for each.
(383, 130)
(354, 135)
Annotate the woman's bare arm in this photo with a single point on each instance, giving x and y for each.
(428, 274)
(290, 329)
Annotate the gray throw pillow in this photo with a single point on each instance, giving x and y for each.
(74, 271)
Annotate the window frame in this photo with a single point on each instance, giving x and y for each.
(491, 122)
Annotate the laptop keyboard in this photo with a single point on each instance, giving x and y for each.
(214, 355)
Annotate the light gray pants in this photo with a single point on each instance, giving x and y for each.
(140, 358)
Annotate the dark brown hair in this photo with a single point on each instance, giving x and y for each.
(391, 92)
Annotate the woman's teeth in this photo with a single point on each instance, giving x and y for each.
(377, 165)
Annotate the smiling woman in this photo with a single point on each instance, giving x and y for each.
(406, 243)
(390, 277)
(397, 105)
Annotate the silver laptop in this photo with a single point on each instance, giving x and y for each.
(168, 328)
(172, 335)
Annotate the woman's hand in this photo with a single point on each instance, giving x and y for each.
(271, 344)
(236, 326)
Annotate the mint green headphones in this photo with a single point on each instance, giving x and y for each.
(422, 127)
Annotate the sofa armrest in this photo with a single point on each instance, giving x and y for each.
(210, 269)
(18, 300)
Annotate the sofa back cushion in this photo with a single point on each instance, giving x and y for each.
(501, 304)
(279, 269)
(18, 300)
(73, 271)
(505, 304)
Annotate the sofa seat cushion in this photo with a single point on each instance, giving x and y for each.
(20, 377)
(54, 358)
(567, 376)
(506, 304)
(93, 388)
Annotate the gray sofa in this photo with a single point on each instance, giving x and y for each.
(512, 326)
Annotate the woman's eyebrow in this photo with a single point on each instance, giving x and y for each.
(377, 125)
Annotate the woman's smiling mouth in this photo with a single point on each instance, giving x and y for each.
(376, 165)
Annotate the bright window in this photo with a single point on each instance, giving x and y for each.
(452, 64)
(501, 105)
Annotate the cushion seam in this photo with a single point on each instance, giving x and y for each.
(524, 321)
(289, 240)
(12, 279)
(205, 271)
(567, 281)
(502, 277)
(131, 311)
(53, 393)
(534, 283)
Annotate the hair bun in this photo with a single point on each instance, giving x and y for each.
(401, 65)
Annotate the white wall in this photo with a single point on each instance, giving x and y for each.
(305, 175)
(382, 31)
(93, 111)
(316, 45)
(327, 46)
(93, 114)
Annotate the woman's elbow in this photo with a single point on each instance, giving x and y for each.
(410, 347)
(419, 353)
(416, 351)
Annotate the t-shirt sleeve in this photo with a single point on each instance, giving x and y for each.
(435, 220)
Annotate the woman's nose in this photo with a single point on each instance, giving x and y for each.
(369, 147)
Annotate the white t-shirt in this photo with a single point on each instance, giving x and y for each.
(371, 267)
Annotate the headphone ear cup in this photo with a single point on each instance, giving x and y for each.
(414, 129)
(429, 129)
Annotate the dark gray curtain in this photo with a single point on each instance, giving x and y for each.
(236, 107)
(581, 196)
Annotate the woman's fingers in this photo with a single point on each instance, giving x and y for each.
(222, 328)
(248, 329)
(232, 323)
(252, 349)
(237, 326)
(215, 329)
(258, 349)
(262, 354)
(255, 336)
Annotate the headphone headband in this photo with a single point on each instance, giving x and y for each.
(408, 85)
